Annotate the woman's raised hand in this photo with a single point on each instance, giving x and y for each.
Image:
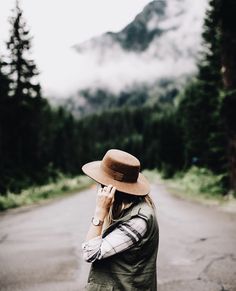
(104, 201)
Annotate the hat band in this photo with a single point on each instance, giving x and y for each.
(118, 176)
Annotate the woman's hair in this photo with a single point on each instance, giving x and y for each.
(123, 201)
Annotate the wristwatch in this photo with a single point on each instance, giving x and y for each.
(96, 221)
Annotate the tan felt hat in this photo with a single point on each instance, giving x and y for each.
(119, 169)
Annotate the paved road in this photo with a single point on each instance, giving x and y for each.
(40, 246)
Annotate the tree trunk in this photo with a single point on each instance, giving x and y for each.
(228, 26)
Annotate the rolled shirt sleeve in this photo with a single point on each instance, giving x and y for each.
(120, 239)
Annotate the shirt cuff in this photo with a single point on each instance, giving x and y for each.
(91, 248)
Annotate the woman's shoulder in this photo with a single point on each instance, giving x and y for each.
(144, 210)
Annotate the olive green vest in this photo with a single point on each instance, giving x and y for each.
(135, 268)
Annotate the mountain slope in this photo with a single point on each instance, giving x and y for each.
(164, 29)
(160, 46)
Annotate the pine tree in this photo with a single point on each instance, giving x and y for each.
(227, 23)
(4, 87)
(22, 69)
(4, 82)
(200, 109)
(25, 110)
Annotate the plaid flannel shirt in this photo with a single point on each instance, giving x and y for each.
(120, 239)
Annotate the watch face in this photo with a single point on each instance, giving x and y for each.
(96, 221)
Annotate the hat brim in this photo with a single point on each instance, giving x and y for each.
(140, 187)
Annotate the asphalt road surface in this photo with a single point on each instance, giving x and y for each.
(40, 247)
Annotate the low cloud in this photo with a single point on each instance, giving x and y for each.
(101, 62)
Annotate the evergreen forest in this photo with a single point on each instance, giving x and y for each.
(38, 142)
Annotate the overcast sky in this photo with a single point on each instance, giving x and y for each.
(56, 25)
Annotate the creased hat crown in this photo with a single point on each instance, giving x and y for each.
(121, 166)
(120, 169)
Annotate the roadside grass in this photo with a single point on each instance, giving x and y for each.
(198, 184)
(61, 187)
(153, 176)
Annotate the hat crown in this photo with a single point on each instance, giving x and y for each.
(121, 166)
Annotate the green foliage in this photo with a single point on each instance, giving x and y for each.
(227, 24)
(195, 183)
(200, 110)
(162, 92)
(200, 181)
(4, 82)
(22, 69)
(37, 194)
(38, 143)
(150, 133)
(152, 175)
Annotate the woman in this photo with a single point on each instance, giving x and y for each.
(122, 240)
